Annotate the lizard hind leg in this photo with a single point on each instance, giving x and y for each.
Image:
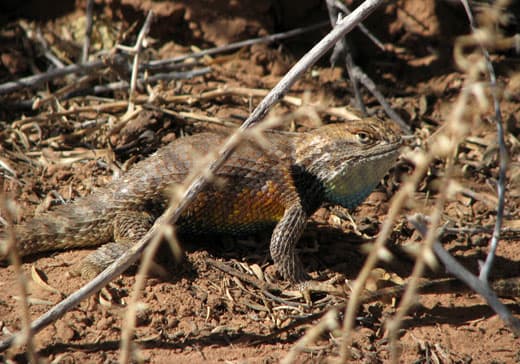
(129, 227)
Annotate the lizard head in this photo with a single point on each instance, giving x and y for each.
(349, 159)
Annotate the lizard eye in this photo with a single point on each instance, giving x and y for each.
(363, 137)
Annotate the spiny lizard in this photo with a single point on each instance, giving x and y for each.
(280, 186)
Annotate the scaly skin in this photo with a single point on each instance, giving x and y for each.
(280, 186)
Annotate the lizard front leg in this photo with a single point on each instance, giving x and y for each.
(283, 244)
(129, 227)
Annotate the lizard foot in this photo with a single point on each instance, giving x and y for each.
(313, 286)
(306, 288)
(99, 259)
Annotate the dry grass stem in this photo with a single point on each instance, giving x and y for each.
(405, 192)
(329, 322)
(26, 336)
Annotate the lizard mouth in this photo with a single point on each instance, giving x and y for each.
(382, 150)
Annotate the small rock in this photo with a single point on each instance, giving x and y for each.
(64, 331)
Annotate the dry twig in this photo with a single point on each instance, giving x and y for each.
(329, 322)
(502, 150)
(26, 335)
(342, 48)
(171, 63)
(477, 284)
(355, 73)
(136, 52)
(88, 31)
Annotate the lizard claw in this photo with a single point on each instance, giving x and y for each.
(306, 288)
(313, 286)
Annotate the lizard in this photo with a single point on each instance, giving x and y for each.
(277, 187)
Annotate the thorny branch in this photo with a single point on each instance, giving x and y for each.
(120, 60)
(35, 80)
(341, 6)
(398, 201)
(455, 133)
(355, 73)
(136, 52)
(502, 152)
(342, 48)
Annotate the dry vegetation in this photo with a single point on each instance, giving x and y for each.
(65, 131)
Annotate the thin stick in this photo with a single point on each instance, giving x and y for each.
(142, 82)
(131, 312)
(232, 46)
(172, 213)
(476, 284)
(88, 31)
(120, 60)
(262, 285)
(510, 232)
(36, 80)
(502, 154)
(115, 106)
(136, 51)
(361, 27)
(371, 86)
(356, 74)
(329, 322)
(343, 48)
(69, 88)
(46, 49)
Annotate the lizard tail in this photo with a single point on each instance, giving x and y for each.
(67, 226)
